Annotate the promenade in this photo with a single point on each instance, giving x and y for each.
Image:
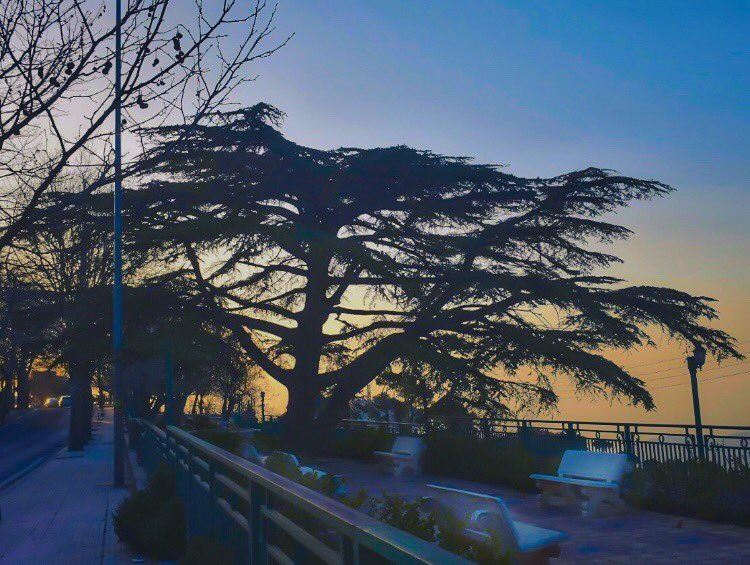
(638, 536)
(61, 512)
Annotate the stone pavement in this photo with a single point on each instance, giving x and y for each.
(636, 537)
(62, 511)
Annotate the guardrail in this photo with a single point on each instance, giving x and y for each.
(267, 518)
(727, 446)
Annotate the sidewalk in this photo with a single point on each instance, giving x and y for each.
(62, 511)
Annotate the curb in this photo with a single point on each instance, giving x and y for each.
(28, 469)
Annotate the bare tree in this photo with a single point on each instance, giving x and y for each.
(56, 82)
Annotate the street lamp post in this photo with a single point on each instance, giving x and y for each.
(117, 332)
(695, 362)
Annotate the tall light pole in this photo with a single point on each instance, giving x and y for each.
(119, 404)
(695, 362)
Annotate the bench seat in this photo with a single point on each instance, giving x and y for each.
(487, 519)
(586, 479)
(575, 481)
(532, 538)
(404, 457)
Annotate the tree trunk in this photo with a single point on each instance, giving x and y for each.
(6, 395)
(22, 390)
(6, 398)
(78, 430)
(89, 398)
(301, 427)
(100, 386)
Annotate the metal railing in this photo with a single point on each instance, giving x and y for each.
(266, 518)
(728, 446)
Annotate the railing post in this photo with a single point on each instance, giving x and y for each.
(212, 497)
(627, 440)
(571, 433)
(349, 551)
(189, 491)
(255, 520)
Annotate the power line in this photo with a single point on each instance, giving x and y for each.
(720, 377)
(707, 367)
(671, 359)
(715, 378)
(710, 369)
(668, 377)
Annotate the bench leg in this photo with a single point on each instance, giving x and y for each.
(599, 499)
(539, 557)
(556, 495)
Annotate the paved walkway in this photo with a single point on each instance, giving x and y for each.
(635, 537)
(62, 511)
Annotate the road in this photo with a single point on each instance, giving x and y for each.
(31, 437)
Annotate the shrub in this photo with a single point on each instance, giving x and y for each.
(231, 441)
(129, 516)
(694, 488)
(408, 516)
(198, 422)
(207, 550)
(267, 442)
(281, 464)
(450, 536)
(152, 520)
(360, 444)
(503, 462)
(413, 517)
(438, 524)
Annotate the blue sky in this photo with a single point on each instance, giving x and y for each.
(651, 89)
(542, 86)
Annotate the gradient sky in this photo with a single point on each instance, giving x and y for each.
(651, 89)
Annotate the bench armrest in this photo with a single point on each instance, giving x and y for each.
(391, 455)
(576, 482)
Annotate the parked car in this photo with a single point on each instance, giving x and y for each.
(51, 403)
(64, 400)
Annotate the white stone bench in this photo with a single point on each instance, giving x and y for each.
(405, 457)
(488, 520)
(586, 479)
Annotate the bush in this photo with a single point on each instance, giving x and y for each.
(413, 517)
(360, 444)
(152, 520)
(207, 550)
(407, 516)
(281, 464)
(267, 442)
(422, 519)
(503, 462)
(230, 441)
(198, 422)
(693, 488)
(450, 536)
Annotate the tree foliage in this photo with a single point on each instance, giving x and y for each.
(333, 267)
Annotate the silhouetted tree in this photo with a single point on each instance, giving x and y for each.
(56, 82)
(21, 341)
(66, 261)
(331, 266)
(160, 320)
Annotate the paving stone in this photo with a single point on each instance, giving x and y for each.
(62, 511)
